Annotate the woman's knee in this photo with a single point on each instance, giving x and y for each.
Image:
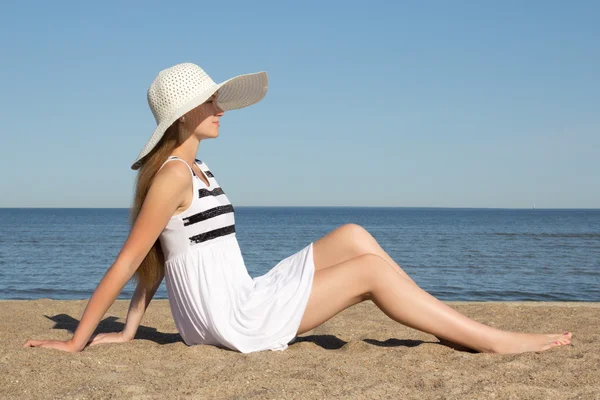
(359, 238)
(354, 230)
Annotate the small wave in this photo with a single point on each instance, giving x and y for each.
(518, 295)
(550, 235)
(52, 293)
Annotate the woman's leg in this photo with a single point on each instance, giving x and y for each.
(370, 276)
(349, 241)
(346, 242)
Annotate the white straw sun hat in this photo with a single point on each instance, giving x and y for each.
(183, 87)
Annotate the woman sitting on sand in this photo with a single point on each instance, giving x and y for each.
(184, 231)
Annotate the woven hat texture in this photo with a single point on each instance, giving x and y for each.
(183, 87)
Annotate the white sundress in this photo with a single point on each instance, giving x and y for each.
(212, 297)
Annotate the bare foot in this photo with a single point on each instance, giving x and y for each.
(525, 342)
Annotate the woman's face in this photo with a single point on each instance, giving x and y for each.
(203, 121)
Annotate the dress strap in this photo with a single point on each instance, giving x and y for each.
(171, 158)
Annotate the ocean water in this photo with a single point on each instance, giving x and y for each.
(455, 254)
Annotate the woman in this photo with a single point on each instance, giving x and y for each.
(184, 231)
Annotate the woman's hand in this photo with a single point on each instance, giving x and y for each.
(165, 195)
(112, 337)
(66, 345)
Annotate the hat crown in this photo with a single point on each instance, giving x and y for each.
(175, 86)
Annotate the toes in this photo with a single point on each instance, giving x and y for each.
(565, 338)
(560, 342)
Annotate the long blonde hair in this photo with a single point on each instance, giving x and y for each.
(152, 267)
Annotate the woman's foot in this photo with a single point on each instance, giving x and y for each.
(519, 343)
(526, 342)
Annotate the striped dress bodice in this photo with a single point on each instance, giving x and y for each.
(209, 217)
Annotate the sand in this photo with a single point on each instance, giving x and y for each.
(358, 354)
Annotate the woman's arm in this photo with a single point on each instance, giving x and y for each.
(139, 303)
(171, 186)
(137, 307)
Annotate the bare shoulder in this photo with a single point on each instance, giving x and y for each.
(166, 193)
(175, 172)
(172, 184)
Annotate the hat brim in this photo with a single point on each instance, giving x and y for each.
(237, 92)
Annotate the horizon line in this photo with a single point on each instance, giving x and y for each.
(311, 206)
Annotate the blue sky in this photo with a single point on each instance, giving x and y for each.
(418, 104)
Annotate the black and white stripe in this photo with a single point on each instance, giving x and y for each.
(204, 215)
(203, 237)
(207, 192)
(214, 216)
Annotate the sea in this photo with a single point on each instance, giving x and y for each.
(453, 253)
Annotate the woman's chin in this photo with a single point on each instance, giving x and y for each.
(212, 135)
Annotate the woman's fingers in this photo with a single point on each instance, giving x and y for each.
(113, 337)
(100, 338)
(36, 343)
(52, 344)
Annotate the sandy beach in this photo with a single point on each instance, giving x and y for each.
(358, 354)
